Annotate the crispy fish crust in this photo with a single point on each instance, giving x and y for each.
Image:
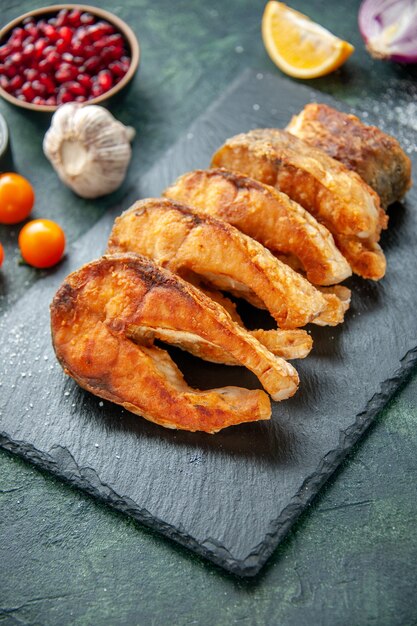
(288, 344)
(99, 319)
(377, 157)
(336, 196)
(193, 244)
(267, 215)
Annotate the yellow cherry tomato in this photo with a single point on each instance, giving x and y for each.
(16, 198)
(42, 243)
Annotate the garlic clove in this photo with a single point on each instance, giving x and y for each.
(88, 148)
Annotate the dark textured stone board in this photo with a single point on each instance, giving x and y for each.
(233, 496)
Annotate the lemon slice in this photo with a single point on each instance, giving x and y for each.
(298, 46)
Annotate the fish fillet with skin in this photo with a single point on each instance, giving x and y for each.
(336, 196)
(376, 156)
(201, 247)
(267, 215)
(99, 319)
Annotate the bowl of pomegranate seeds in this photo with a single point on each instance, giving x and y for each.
(65, 53)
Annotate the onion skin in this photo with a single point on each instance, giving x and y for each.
(389, 29)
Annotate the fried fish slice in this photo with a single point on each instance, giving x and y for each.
(377, 157)
(191, 244)
(96, 320)
(288, 344)
(267, 215)
(338, 297)
(336, 196)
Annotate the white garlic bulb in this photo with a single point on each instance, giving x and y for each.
(88, 148)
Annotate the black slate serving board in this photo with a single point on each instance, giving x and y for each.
(233, 496)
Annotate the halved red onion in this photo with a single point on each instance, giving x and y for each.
(389, 29)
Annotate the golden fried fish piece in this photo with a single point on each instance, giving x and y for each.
(336, 196)
(100, 317)
(199, 247)
(376, 156)
(267, 215)
(288, 344)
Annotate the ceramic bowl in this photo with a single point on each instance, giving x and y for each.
(120, 25)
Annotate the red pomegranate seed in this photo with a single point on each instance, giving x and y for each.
(99, 45)
(28, 91)
(61, 46)
(51, 101)
(62, 18)
(5, 51)
(40, 46)
(44, 66)
(105, 80)
(88, 51)
(48, 83)
(111, 53)
(17, 58)
(67, 57)
(16, 82)
(74, 18)
(92, 64)
(97, 90)
(51, 32)
(115, 40)
(32, 30)
(75, 88)
(64, 96)
(53, 58)
(85, 80)
(80, 99)
(4, 83)
(10, 69)
(83, 35)
(106, 28)
(18, 34)
(47, 50)
(117, 69)
(30, 74)
(77, 47)
(87, 19)
(65, 72)
(28, 54)
(16, 45)
(38, 88)
(38, 100)
(78, 61)
(94, 33)
(66, 34)
(28, 42)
